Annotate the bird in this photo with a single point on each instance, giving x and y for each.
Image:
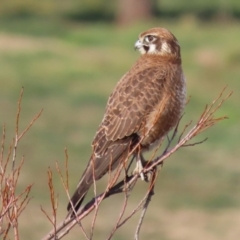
(145, 105)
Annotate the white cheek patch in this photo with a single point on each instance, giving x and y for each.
(166, 48)
(142, 50)
(152, 48)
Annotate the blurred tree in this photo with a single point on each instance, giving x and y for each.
(129, 11)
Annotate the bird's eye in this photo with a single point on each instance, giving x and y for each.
(149, 38)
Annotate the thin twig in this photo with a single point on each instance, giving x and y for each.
(193, 144)
(13, 203)
(2, 148)
(145, 206)
(65, 186)
(30, 124)
(16, 130)
(124, 206)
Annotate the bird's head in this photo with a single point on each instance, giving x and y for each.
(158, 41)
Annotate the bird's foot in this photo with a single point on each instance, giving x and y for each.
(141, 163)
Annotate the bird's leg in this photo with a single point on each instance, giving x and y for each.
(129, 165)
(141, 162)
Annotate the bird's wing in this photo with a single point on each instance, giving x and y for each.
(98, 166)
(134, 97)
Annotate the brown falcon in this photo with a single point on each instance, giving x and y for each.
(144, 106)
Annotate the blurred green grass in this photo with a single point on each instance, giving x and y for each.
(70, 69)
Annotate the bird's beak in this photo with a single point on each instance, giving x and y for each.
(138, 44)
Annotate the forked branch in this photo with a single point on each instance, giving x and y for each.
(206, 120)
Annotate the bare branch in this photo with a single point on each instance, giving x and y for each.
(206, 120)
(196, 143)
(2, 148)
(13, 203)
(65, 186)
(145, 206)
(30, 124)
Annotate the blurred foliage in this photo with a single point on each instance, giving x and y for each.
(71, 9)
(92, 10)
(203, 9)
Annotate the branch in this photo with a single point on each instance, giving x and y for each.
(205, 121)
(13, 201)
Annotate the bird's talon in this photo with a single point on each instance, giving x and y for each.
(138, 170)
(144, 177)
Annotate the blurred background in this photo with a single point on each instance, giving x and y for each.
(68, 56)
